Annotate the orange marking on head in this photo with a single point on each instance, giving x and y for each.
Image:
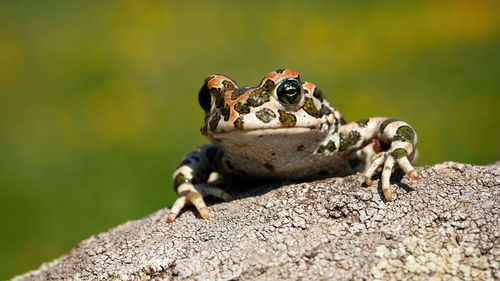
(231, 103)
(232, 115)
(309, 87)
(290, 72)
(271, 75)
(275, 76)
(216, 81)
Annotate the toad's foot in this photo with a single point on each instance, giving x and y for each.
(387, 159)
(190, 194)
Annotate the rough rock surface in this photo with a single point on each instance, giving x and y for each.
(444, 226)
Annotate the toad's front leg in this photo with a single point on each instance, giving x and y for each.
(190, 181)
(400, 138)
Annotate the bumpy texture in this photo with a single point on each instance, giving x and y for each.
(446, 225)
(309, 140)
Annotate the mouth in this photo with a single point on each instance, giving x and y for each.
(264, 132)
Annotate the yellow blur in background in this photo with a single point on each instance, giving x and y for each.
(98, 99)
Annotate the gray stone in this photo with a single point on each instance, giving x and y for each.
(443, 226)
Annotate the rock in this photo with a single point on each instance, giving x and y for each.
(445, 225)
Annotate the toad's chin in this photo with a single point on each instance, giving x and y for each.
(262, 132)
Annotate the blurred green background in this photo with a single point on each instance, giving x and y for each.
(98, 99)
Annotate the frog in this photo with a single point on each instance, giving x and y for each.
(284, 129)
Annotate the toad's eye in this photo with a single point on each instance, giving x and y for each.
(204, 98)
(289, 92)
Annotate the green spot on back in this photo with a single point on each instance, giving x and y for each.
(404, 133)
(225, 111)
(318, 94)
(287, 119)
(348, 141)
(218, 93)
(261, 95)
(227, 85)
(310, 108)
(331, 146)
(265, 115)
(362, 122)
(241, 108)
(399, 153)
(179, 179)
(214, 122)
(218, 97)
(238, 123)
(325, 110)
(237, 93)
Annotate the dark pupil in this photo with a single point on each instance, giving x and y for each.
(204, 98)
(289, 92)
